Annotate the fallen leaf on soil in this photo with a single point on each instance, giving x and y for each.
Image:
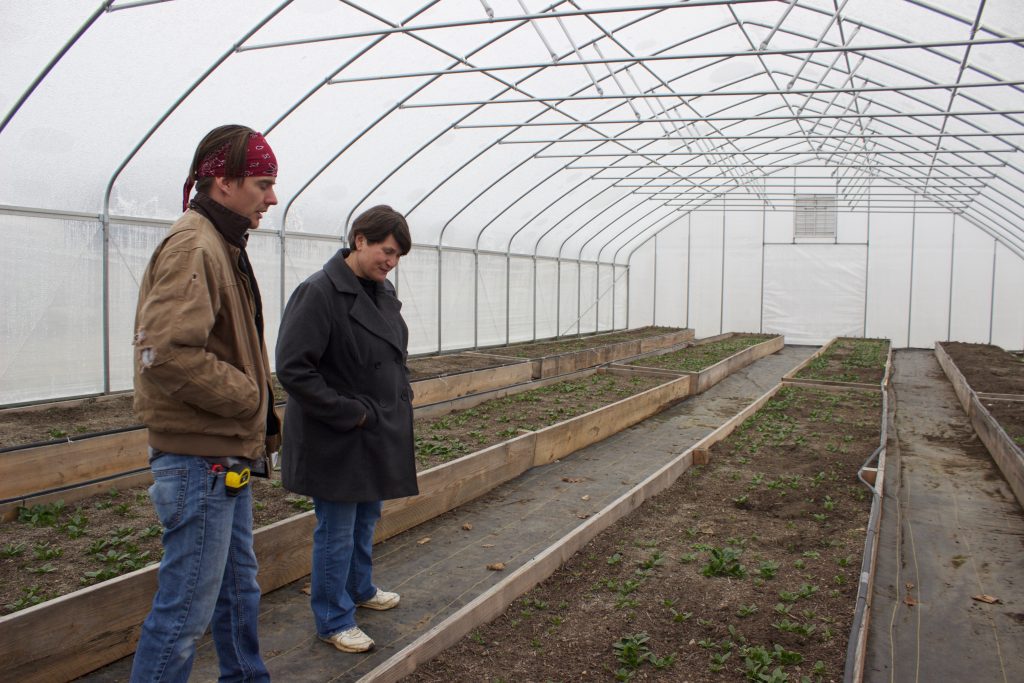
(306, 589)
(572, 480)
(584, 497)
(425, 539)
(467, 527)
(909, 585)
(487, 545)
(583, 515)
(910, 601)
(496, 566)
(990, 599)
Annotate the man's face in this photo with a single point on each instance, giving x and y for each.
(251, 197)
(374, 261)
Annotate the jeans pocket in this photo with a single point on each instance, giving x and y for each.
(168, 495)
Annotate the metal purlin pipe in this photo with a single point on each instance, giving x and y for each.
(960, 70)
(105, 273)
(981, 226)
(842, 49)
(694, 94)
(105, 213)
(288, 112)
(549, 205)
(41, 76)
(817, 43)
(505, 19)
(508, 206)
(992, 291)
(411, 156)
(344, 148)
(600, 192)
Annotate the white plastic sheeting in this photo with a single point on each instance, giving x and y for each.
(565, 167)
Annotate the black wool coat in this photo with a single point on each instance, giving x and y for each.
(340, 357)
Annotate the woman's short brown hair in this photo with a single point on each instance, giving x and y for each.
(376, 223)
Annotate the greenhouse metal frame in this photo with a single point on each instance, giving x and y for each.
(809, 167)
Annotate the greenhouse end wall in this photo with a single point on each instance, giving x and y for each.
(912, 277)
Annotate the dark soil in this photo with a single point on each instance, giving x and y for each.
(699, 356)
(556, 346)
(1010, 415)
(80, 418)
(441, 365)
(106, 535)
(780, 497)
(988, 369)
(991, 370)
(850, 360)
(125, 519)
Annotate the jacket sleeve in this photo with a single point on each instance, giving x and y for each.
(173, 327)
(302, 342)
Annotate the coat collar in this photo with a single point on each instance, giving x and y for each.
(364, 311)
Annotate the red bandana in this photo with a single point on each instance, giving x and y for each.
(259, 161)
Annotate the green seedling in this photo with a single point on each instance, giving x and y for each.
(800, 564)
(746, 610)
(718, 661)
(43, 569)
(687, 558)
(44, 514)
(151, 531)
(300, 503)
(680, 617)
(29, 596)
(768, 569)
(724, 562)
(46, 551)
(12, 550)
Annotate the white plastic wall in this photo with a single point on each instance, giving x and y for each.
(913, 277)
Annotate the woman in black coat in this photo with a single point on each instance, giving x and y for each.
(348, 440)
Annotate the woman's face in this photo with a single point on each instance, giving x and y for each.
(373, 261)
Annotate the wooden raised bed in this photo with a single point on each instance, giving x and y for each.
(710, 376)
(792, 377)
(101, 623)
(121, 459)
(1007, 455)
(572, 361)
(501, 596)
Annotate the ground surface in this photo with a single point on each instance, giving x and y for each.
(780, 496)
(109, 534)
(951, 530)
(511, 525)
(80, 418)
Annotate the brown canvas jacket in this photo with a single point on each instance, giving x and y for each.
(201, 372)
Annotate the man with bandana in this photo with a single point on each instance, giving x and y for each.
(202, 387)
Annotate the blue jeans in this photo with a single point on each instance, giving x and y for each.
(342, 562)
(208, 572)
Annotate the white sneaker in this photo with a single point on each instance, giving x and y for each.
(351, 640)
(382, 600)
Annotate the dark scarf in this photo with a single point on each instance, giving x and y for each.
(234, 228)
